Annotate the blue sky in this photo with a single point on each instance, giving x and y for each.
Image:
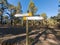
(50, 7)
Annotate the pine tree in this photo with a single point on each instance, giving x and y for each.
(32, 8)
(19, 8)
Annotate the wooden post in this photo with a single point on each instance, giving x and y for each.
(27, 34)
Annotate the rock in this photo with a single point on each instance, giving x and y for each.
(50, 40)
(42, 38)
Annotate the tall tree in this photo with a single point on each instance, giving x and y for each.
(19, 11)
(45, 19)
(44, 15)
(19, 8)
(32, 8)
(13, 12)
(3, 6)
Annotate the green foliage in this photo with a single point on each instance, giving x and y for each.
(44, 15)
(19, 5)
(32, 8)
(58, 16)
(19, 8)
(54, 17)
(52, 22)
(44, 22)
